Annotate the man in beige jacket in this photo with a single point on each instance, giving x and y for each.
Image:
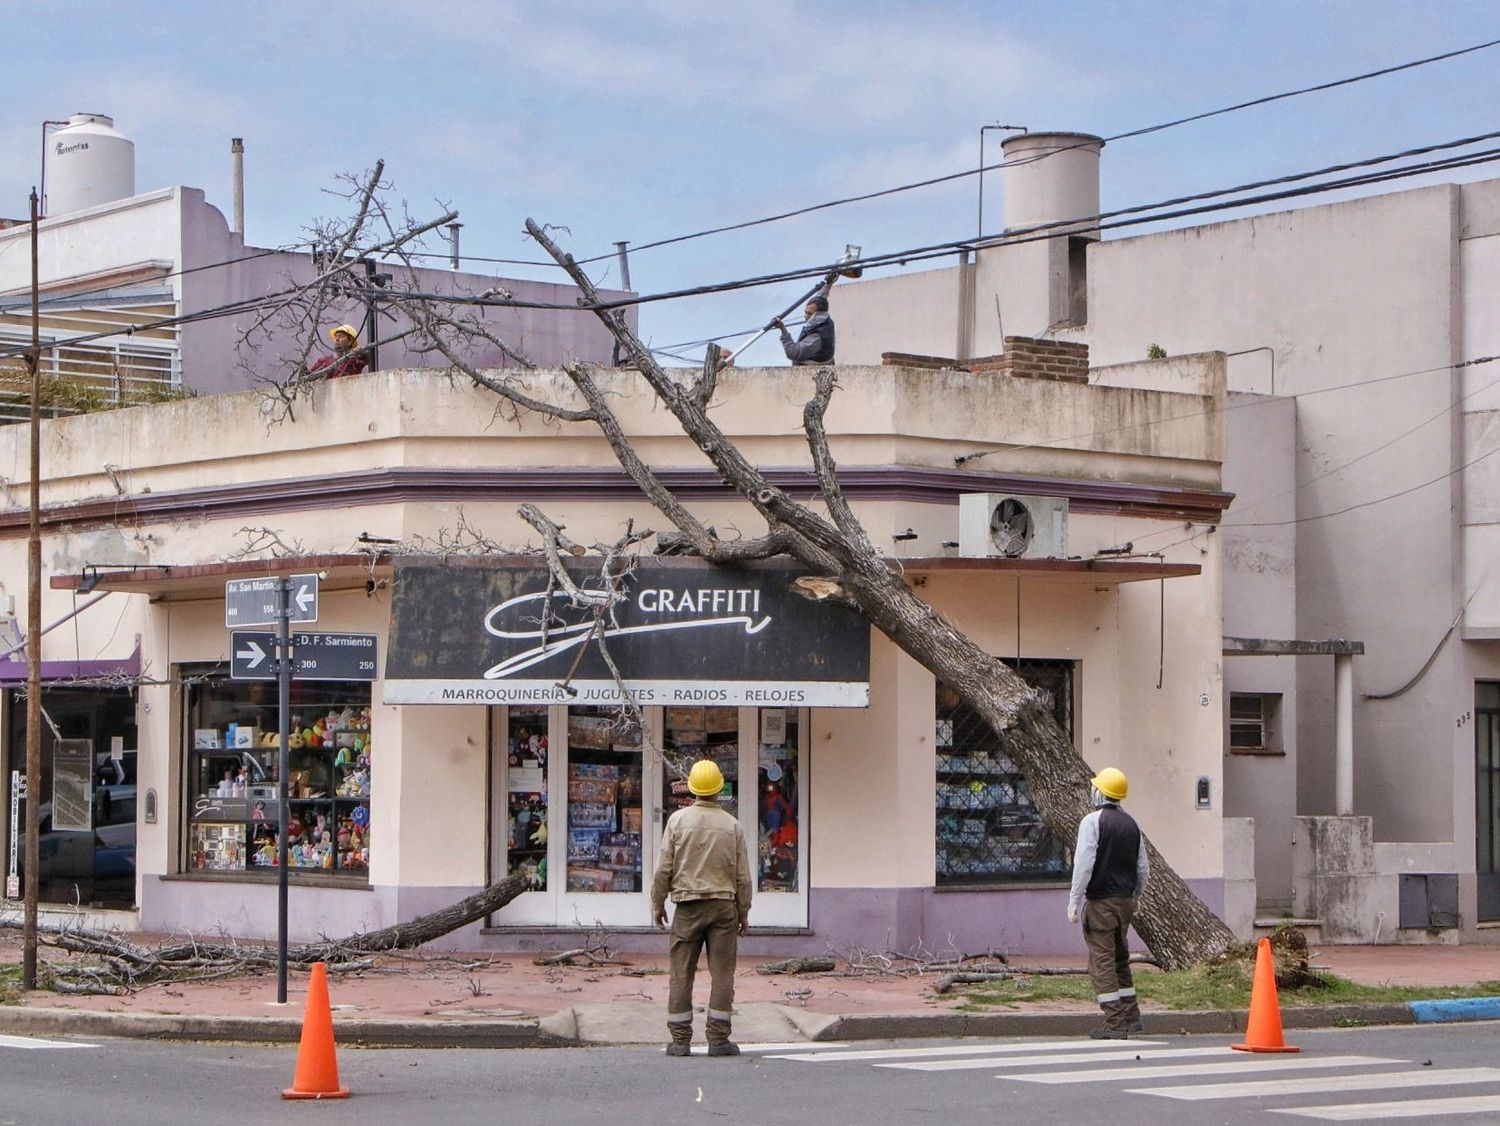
(705, 869)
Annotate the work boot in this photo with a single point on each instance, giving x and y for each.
(724, 1048)
(1104, 1033)
(679, 1048)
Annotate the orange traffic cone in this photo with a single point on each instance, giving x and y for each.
(317, 1070)
(1263, 1034)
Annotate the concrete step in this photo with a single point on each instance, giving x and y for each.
(1311, 928)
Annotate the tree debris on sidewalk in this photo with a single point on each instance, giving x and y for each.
(109, 962)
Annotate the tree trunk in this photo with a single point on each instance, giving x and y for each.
(417, 932)
(1176, 926)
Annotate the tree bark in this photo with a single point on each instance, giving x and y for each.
(1178, 927)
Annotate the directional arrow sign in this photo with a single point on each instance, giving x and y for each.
(315, 656)
(251, 654)
(254, 602)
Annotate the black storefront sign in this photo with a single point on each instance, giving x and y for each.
(686, 633)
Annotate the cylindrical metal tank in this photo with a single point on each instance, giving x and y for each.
(88, 163)
(1052, 178)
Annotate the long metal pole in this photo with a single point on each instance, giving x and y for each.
(283, 765)
(32, 874)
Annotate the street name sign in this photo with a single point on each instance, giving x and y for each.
(315, 656)
(254, 602)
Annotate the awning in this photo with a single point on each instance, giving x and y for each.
(13, 672)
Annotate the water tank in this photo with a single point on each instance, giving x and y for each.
(1051, 178)
(88, 163)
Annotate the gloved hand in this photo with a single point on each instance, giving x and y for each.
(1072, 912)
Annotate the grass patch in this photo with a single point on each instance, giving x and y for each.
(1224, 986)
(10, 984)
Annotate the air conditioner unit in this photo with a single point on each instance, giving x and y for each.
(1012, 527)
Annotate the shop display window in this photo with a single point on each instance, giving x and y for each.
(232, 777)
(604, 801)
(689, 734)
(988, 829)
(778, 822)
(526, 795)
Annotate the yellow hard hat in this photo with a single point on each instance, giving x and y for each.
(705, 779)
(1111, 783)
(350, 329)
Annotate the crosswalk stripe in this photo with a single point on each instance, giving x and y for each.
(1316, 1084)
(1322, 1084)
(793, 1046)
(960, 1050)
(32, 1042)
(1421, 1108)
(1226, 1065)
(1041, 1061)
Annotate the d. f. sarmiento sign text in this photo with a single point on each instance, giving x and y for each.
(685, 633)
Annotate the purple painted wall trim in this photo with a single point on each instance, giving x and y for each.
(13, 672)
(420, 484)
(1014, 921)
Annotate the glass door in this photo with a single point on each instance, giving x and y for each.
(1487, 798)
(760, 752)
(606, 873)
(580, 808)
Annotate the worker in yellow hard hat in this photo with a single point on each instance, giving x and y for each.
(347, 357)
(705, 870)
(1110, 869)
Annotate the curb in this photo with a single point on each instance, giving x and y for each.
(1461, 1008)
(278, 1030)
(552, 1032)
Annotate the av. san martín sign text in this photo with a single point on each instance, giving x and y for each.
(685, 633)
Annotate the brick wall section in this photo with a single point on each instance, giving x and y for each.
(1028, 358)
(1024, 358)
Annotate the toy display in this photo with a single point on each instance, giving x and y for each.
(234, 766)
(987, 828)
(526, 796)
(604, 802)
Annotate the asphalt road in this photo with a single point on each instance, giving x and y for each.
(1420, 1073)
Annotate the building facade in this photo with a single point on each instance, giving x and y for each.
(881, 814)
(1361, 548)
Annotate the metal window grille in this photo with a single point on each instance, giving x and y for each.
(988, 829)
(111, 372)
(1247, 722)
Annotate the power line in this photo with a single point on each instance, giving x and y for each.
(1352, 461)
(1140, 132)
(1041, 232)
(63, 298)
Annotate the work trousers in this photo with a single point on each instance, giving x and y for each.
(697, 923)
(1106, 927)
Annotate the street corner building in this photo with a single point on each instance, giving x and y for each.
(1191, 557)
(432, 749)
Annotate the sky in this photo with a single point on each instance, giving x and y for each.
(643, 120)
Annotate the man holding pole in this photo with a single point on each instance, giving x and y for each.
(814, 344)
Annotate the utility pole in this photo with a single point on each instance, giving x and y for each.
(32, 874)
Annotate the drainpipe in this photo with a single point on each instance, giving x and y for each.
(237, 151)
(1343, 735)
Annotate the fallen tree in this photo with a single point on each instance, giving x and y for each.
(112, 963)
(841, 561)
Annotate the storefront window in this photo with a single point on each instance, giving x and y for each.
(988, 830)
(604, 801)
(689, 734)
(87, 851)
(526, 795)
(232, 777)
(777, 777)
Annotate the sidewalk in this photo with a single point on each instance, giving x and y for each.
(507, 1000)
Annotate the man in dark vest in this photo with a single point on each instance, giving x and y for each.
(814, 344)
(1109, 871)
